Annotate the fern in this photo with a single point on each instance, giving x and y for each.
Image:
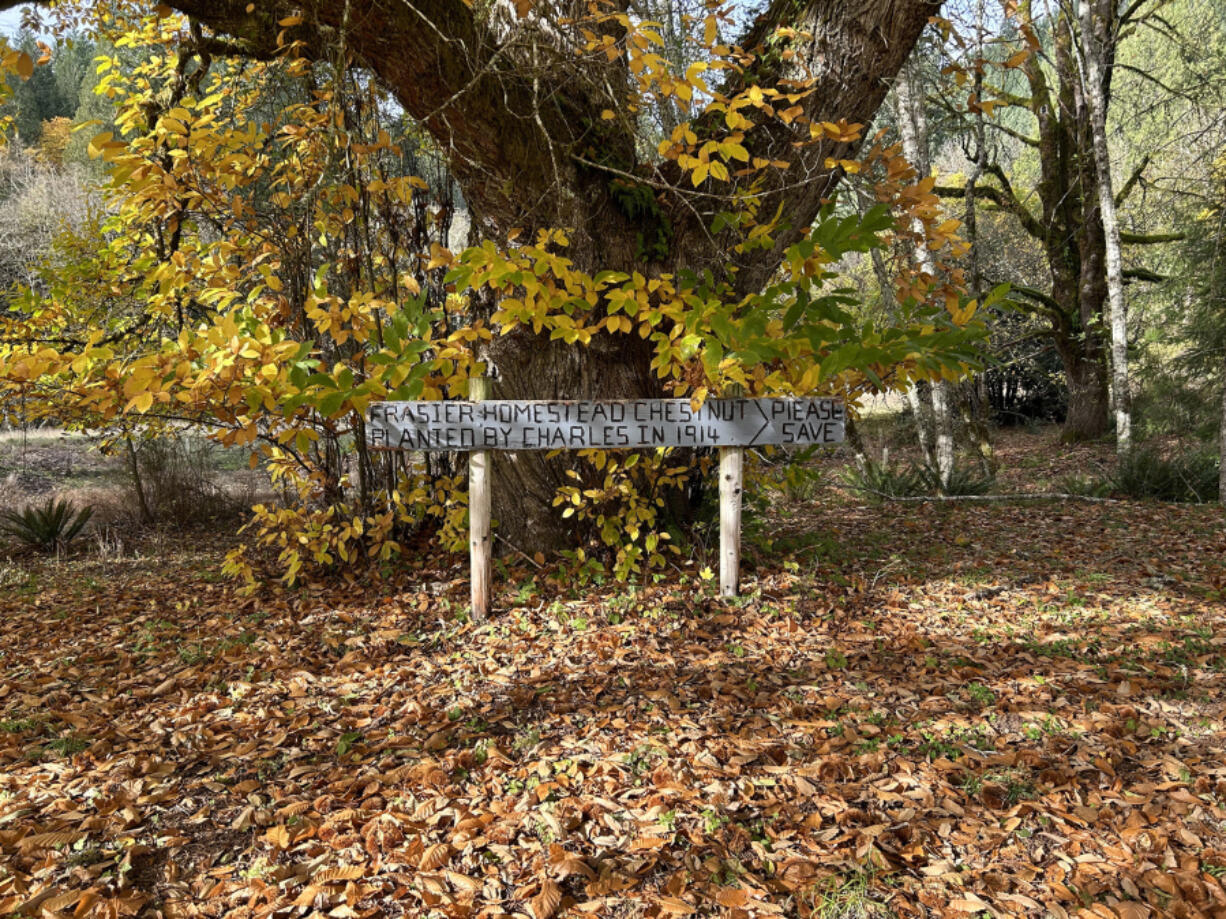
(50, 527)
(880, 482)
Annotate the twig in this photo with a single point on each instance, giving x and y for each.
(1041, 496)
(518, 551)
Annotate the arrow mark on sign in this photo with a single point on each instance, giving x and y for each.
(765, 421)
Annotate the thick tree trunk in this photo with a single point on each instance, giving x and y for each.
(1088, 400)
(525, 366)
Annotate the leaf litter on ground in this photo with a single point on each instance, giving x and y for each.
(951, 711)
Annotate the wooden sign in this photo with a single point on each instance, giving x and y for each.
(632, 424)
(480, 425)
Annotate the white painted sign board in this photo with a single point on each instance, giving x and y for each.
(631, 424)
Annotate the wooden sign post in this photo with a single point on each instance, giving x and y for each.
(482, 425)
(731, 484)
(480, 502)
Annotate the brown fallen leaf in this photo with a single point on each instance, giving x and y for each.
(435, 857)
(732, 897)
(674, 906)
(546, 903)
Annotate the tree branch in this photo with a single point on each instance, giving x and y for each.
(1143, 274)
(1150, 239)
(1004, 198)
(1122, 195)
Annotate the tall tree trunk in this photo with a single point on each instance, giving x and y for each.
(919, 398)
(973, 396)
(1221, 477)
(1092, 25)
(1088, 399)
(935, 426)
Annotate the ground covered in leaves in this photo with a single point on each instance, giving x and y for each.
(915, 710)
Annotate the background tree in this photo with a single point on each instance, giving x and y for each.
(1062, 214)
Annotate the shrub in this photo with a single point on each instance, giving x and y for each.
(50, 527)
(1087, 486)
(962, 481)
(1191, 476)
(879, 481)
(175, 480)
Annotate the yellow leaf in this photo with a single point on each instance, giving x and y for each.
(692, 72)
(439, 257)
(143, 402)
(607, 115)
(699, 175)
(96, 145)
(25, 66)
(1018, 58)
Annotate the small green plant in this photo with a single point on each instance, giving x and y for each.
(526, 740)
(68, 744)
(49, 527)
(961, 481)
(193, 653)
(878, 482)
(1191, 476)
(971, 783)
(847, 896)
(980, 695)
(713, 821)
(347, 742)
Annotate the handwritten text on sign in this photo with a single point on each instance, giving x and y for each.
(523, 425)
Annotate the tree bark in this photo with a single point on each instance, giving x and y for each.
(1068, 221)
(1088, 399)
(1093, 24)
(1221, 478)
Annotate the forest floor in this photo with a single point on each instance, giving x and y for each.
(914, 710)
